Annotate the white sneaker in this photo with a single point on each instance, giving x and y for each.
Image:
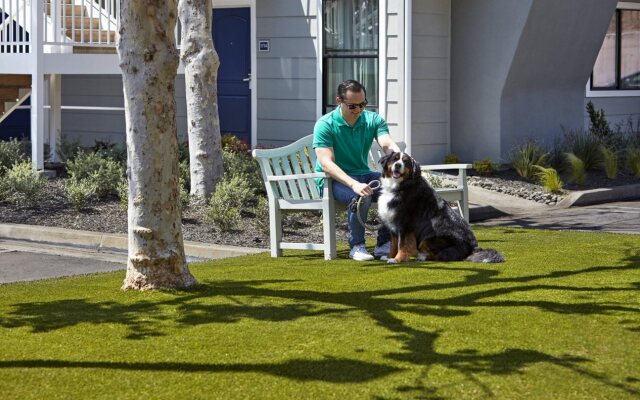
(360, 253)
(382, 251)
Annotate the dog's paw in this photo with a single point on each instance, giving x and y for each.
(422, 257)
(392, 261)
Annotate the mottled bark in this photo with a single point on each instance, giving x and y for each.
(201, 64)
(149, 61)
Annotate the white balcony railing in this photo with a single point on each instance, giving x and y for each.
(65, 24)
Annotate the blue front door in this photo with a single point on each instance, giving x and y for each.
(231, 32)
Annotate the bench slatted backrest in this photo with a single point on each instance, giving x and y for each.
(293, 159)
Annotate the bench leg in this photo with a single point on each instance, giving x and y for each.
(329, 229)
(275, 229)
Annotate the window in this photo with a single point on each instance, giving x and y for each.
(618, 64)
(350, 48)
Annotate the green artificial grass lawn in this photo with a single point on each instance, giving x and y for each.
(560, 319)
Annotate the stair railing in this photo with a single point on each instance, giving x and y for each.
(15, 22)
(72, 28)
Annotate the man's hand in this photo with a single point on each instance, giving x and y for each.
(362, 189)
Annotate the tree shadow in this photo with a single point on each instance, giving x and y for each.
(483, 287)
(334, 370)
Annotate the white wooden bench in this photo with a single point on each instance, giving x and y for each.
(289, 175)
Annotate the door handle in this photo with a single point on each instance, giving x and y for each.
(247, 79)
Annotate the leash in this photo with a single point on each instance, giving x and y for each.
(374, 184)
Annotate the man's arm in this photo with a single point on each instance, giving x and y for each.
(387, 144)
(329, 166)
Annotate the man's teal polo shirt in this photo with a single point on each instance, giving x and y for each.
(351, 144)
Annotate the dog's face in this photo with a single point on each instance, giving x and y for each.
(400, 166)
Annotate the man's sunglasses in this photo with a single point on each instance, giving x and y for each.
(353, 106)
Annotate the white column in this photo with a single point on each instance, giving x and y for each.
(37, 85)
(408, 60)
(55, 114)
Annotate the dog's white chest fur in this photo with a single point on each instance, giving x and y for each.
(386, 196)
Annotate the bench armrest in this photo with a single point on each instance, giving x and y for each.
(293, 177)
(445, 166)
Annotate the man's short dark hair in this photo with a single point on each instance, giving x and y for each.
(351, 85)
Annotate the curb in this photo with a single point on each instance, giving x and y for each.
(599, 196)
(110, 241)
(574, 199)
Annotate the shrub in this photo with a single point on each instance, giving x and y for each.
(451, 159)
(184, 196)
(549, 179)
(225, 204)
(79, 193)
(10, 153)
(578, 174)
(633, 160)
(110, 150)
(434, 180)
(586, 147)
(105, 173)
(68, 150)
(243, 165)
(24, 185)
(183, 152)
(598, 125)
(234, 145)
(261, 211)
(123, 193)
(609, 162)
(525, 159)
(484, 167)
(185, 175)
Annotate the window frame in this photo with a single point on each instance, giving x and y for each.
(617, 91)
(326, 107)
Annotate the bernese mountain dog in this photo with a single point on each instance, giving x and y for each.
(420, 221)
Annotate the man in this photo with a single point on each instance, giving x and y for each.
(342, 140)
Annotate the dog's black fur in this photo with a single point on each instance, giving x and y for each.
(408, 204)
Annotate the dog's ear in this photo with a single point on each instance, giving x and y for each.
(383, 160)
(417, 173)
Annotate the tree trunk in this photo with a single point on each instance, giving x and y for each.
(201, 64)
(149, 62)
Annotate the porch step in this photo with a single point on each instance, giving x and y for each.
(68, 10)
(93, 50)
(78, 22)
(86, 35)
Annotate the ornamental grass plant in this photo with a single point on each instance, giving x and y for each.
(557, 320)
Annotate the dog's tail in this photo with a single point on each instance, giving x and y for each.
(485, 256)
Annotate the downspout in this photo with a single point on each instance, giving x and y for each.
(408, 41)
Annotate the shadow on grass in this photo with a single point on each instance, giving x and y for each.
(334, 370)
(482, 285)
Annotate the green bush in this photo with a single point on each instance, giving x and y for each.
(451, 158)
(10, 153)
(261, 211)
(578, 174)
(525, 158)
(68, 150)
(231, 195)
(633, 160)
(123, 193)
(234, 145)
(549, 179)
(104, 173)
(24, 185)
(586, 147)
(110, 150)
(243, 165)
(609, 162)
(484, 167)
(79, 192)
(598, 126)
